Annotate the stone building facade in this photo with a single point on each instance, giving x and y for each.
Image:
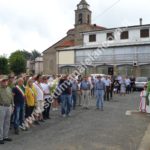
(126, 51)
(83, 17)
(35, 66)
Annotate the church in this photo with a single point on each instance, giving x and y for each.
(127, 51)
(73, 38)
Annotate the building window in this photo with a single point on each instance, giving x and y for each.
(80, 18)
(124, 35)
(88, 19)
(92, 38)
(144, 33)
(110, 36)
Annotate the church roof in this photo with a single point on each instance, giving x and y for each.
(68, 43)
(83, 2)
(95, 26)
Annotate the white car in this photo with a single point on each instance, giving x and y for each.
(95, 75)
(140, 82)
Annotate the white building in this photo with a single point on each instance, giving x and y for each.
(127, 51)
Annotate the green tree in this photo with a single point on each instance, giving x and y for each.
(26, 54)
(17, 62)
(35, 54)
(4, 69)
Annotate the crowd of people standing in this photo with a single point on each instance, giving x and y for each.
(27, 100)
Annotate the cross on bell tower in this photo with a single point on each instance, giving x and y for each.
(82, 14)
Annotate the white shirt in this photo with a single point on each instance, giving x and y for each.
(40, 93)
(127, 81)
(119, 79)
(46, 89)
(79, 85)
(107, 82)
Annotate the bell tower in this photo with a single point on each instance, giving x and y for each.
(82, 14)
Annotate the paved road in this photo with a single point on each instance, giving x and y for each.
(88, 129)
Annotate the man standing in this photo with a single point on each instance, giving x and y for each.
(6, 103)
(19, 101)
(74, 92)
(100, 90)
(107, 82)
(79, 94)
(65, 86)
(128, 84)
(85, 90)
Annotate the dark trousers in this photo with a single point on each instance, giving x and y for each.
(92, 91)
(46, 112)
(106, 97)
(111, 92)
(29, 111)
(74, 98)
(128, 89)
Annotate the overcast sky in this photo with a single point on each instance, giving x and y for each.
(37, 24)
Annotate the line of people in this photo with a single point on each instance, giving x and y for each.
(19, 100)
(29, 99)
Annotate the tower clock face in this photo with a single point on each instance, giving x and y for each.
(80, 6)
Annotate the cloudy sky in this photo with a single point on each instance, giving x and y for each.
(37, 24)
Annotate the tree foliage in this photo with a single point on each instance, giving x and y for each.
(35, 54)
(4, 69)
(26, 54)
(17, 62)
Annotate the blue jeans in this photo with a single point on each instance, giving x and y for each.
(99, 98)
(18, 115)
(65, 104)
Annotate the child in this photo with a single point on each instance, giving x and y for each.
(143, 100)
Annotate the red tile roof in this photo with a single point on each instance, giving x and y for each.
(67, 43)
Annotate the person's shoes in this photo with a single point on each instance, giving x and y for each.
(36, 123)
(64, 115)
(2, 142)
(48, 118)
(22, 127)
(42, 120)
(17, 131)
(8, 139)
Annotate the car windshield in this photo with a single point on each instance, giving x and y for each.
(141, 79)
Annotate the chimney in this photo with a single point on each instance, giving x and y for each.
(141, 21)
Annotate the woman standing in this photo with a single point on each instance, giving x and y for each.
(148, 98)
(30, 94)
(143, 100)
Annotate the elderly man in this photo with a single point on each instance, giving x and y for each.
(100, 90)
(6, 103)
(85, 89)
